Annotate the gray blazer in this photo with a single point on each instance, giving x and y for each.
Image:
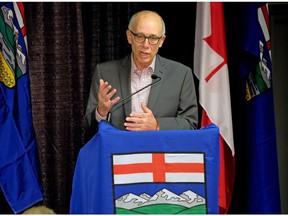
(173, 100)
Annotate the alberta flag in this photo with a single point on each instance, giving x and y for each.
(19, 164)
(163, 172)
(260, 147)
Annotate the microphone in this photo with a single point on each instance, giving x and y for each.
(153, 76)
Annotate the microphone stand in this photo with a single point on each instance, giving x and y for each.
(153, 76)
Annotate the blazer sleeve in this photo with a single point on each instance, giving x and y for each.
(90, 122)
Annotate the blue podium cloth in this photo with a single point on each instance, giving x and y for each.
(163, 172)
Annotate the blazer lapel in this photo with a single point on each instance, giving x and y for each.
(155, 89)
(125, 79)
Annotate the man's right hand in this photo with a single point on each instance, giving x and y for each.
(104, 98)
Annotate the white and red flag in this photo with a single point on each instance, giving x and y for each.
(210, 67)
(158, 167)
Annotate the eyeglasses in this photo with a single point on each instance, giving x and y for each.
(140, 38)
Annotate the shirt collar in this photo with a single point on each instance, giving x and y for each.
(134, 68)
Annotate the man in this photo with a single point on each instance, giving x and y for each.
(170, 103)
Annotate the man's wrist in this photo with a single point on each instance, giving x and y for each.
(98, 116)
(101, 111)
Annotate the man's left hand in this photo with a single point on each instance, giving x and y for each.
(141, 121)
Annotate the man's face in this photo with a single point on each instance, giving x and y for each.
(143, 53)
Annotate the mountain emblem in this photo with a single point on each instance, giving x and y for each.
(162, 202)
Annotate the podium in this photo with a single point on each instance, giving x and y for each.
(150, 172)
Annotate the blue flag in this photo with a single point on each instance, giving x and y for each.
(163, 172)
(256, 76)
(19, 162)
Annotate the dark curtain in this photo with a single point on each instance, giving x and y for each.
(58, 89)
